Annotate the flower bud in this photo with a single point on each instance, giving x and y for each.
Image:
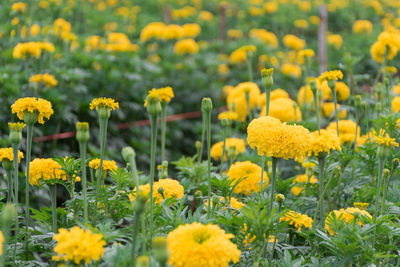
(153, 104)
(225, 122)
(379, 91)
(395, 163)
(313, 86)
(143, 261)
(140, 202)
(7, 164)
(9, 213)
(198, 144)
(206, 104)
(332, 85)
(378, 107)
(160, 250)
(214, 200)
(386, 82)
(31, 118)
(358, 101)
(160, 190)
(198, 194)
(267, 78)
(82, 132)
(386, 172)
(15, 136)
(279, 198)
(104, 113)
(128, 153)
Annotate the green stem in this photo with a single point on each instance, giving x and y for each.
(316, 110)
(134, 232)
(267, 100)
(321, 198)
(82, 149)
(153, 119)
(271, 200)
(336, 111)
(53, 199)
(383, 195)
(223, 150)
(357, 125)
(262, 173)
(275, 234)
(203, 133)
(247, 96)
(321, 162)
(28, 161)
(10, 186)
(207, 115)
(16, 187)
(103, 135)
(134, 173)
(381, 164)
(163, 128)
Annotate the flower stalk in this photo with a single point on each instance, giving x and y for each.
(163, 128)
(332, 86)
(315, 92)
(225, 125)
(82, 136)
(273, 180)
(206, 107)
(53, 199)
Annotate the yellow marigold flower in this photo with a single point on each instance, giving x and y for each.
(396, 89)
(304, 54)
(293, 42)
(264, 36)
(195, 245)
(347, 130)
(390, 69)
(275, 94)
(342, 91)
(308, 164)
(19, 7)
(171, 189)
(108, 165)
(305, 95)
(186, 46)
(223, 69)
(78, 245)
(323, 142)
(240, 54)
(238, 144)
(229, 115)
(34, 30)
(272, 138)
(300, 180)
(298, 220)
(301, 23)
(361, 205)
(380, 49)
(335, 40)
(270, 7)
(103, 102)
(206, 15)
(328, 110)
(35, 105)
(331, 75)
(396, 104)
(7, 153)
(384, 139)
(191, 30)
(152, 30)
(291, 70)
(315, 20)
(345, 215)
(165, 94)
(45, 169)
(235, 203)
(284, 109)
(362, 26)
(236, 99)
(47, 79)
(172, 31)
(16, 126)
(252, 174)
(234, 34)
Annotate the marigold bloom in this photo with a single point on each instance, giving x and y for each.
(323, 142)
(396, 104)
(165, 94)
(47, 79)
(234, 34)
(284, 109)
(298, 220)
(264, 36)
(240, 54)
(78, 245)
(300, 181)
(235, 203)
(152, 30)
(7, 153)
(328, 110)
(39, 106)
(380, 49)
(206, 15)
(272, 138)
(335, 40)
(305, 54)
(186, 46)
(45, 169)
(252, 174)
(198, 245)
(384, 139)
(347, 130)
(362, 26)
(345, 215)
(293, 42)
(237, 99)
(331, 75)
(173, 31)
(103, 102)
(171, 189)
(108, 165)
(34, 49)
(291, 70)
(229, 115)
(238, 144)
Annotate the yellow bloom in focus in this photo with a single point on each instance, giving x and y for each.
(300, 181)
(328, 110)
(335, 40)
(186, 46)
(7, 153)
(104, 102)
(108, 165)
(298, 220)
(78, 245)
(272, 138)
(47, 79)
(384, 139)
(347, 130)
(229, 115)
(238, 144)
(284, 109)
(19, 7)
(198, 245)
(171, 189)
(362, 26)
(331, 75)
(345, 215)
(323, 142)
(293, 42)
(34, 105)
(165, 94)
(252, 174)
(291, 70)
(45, 169)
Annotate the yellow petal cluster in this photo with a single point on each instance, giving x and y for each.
(300, 180)
(238, 144)
(198, 245)
(264, 36)
(108, 165)
(229, 115)
(19, 7)
(387, 46)
(293, 42)
(331, 75)
(384, 139)
(78, 245)
(275, 94)
(292, 70)
(32, 105)
(240, 55)
(104, 102)
(323, 142)
(252, 174)
(362, 26)
(45, 169)
(34, 49)
(7, 153)
(296, 219)
(336, 40)
(172, 189)
(119, 42)
(347, 130)
(275, 139)
(328, 110)
(345, 215)
(47, 79)
(186, 46)
(165, 94)
(236, 99)
(234, 203)
(396, 104)
(284, 109)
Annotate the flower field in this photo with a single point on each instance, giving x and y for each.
(200, 133)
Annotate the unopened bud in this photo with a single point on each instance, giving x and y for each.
(9, 213)
(15, 136)
(279, 198)
(143, 261)
(82, 132)
(378, 107)
(206, 104)
(160, 250)
(358, 101)
(267, 78)
(225, 122)
(395, 163)
(128, 153)
(153, 104)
